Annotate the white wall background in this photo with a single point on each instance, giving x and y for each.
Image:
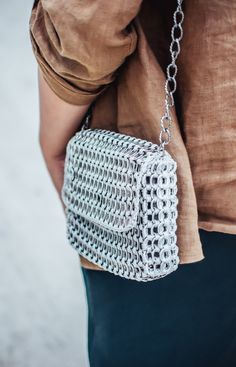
(42, 297)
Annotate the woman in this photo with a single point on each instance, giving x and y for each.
(115, 54)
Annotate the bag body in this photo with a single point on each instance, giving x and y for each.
(121, 198)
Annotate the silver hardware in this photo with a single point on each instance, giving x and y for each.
(171, 84)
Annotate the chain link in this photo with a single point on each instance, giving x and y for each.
(171, 72)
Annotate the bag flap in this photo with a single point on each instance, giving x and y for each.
(103, 172)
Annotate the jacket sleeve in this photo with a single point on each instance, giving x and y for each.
(80, 44)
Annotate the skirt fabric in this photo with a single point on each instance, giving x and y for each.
(185, 319)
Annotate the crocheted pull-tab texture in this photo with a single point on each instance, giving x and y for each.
(103, 177)
(120, 194)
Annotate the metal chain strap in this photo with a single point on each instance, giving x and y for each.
(170, 84)
(171, 72)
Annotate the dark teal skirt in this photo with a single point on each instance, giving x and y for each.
(187, 319)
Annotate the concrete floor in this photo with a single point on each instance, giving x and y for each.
(42, 300)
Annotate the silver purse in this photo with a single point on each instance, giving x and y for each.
(120, 193)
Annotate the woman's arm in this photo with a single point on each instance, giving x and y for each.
(59, 121)
(80, 44)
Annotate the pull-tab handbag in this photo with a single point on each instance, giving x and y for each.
(120, 192)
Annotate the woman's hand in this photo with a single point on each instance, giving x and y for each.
(58, 123)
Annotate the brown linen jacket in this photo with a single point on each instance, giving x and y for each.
(116, 52)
